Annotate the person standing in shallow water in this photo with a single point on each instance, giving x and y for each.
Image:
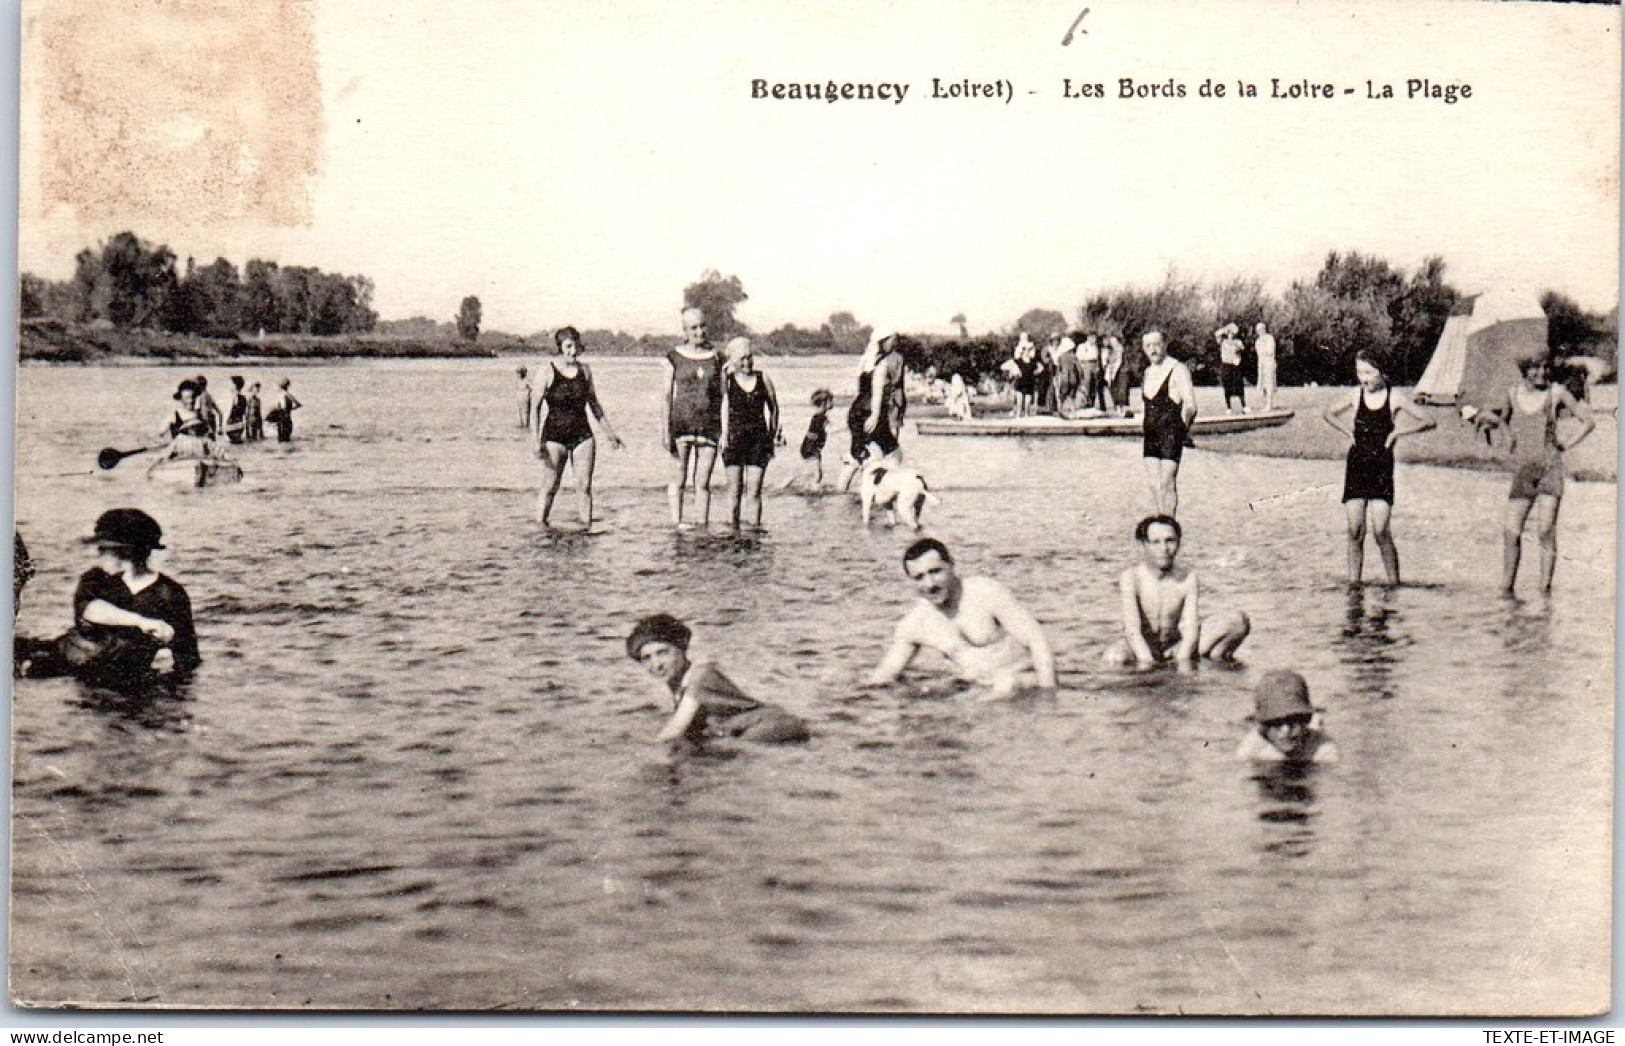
(1170, 408)
(691, 416)
(526, 407)
(281, 413)
(750, 431)
(875, 418)
(237, 413)
(253, 417)
(1530, 414)
(1368, 479)
(563, 429)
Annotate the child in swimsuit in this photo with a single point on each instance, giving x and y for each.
(811, 473)
(705, 703)
(1368, 478)
(1288, 727)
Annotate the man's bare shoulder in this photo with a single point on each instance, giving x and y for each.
(984, 587)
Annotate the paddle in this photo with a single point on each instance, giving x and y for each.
(111, 456)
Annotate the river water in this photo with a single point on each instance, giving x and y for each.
(418, 771)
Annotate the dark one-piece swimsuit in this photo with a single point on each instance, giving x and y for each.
(1164, 424)
(567, 399)
(750, 441)
(1370, 473)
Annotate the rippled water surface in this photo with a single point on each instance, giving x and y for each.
(417, 769)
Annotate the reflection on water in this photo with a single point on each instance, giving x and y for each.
(1372, 641)
(1286, 795)
(417, 769)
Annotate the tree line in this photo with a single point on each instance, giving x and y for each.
(128, 283)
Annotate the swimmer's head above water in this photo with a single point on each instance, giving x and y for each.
(930, 567)
(1282, 710)
(660, 644)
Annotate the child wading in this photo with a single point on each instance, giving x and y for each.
(811, 473)
(706, 703)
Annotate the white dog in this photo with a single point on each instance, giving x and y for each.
(902, 491)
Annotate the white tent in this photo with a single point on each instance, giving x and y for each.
(1476, 359)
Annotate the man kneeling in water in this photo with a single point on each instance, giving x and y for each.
(706, 703)
(974, 622)
(1161, 621)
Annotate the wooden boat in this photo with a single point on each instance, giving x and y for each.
(196, 472)
(1103, 425)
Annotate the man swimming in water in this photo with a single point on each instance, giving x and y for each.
(975, 622)
(1161, 621)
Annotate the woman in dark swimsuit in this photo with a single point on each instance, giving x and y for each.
(750, 430)
(563, 430)
(1368, 479)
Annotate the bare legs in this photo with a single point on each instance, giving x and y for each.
(705, 459)
(582, 460)
(1163, 476)
(1545, 508)
(745, 495)
(1376, 513)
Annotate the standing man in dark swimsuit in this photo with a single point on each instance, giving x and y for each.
(1170, 408)
(563, 431)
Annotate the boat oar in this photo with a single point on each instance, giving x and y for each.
(111, 456)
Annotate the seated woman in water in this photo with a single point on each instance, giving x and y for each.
(1288, 728)
(187, 430)
(705, 703)
(130, 623)
(563, 432)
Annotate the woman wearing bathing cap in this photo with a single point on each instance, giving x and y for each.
(705, 703)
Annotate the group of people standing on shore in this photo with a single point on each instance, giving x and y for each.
(1077, 373)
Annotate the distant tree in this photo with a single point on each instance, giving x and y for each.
(959, 321)
(126, 282)
(1320, 331)
(257, 304)
(468, 319)
(207, 300)
(718, 296)
(845, 334)
(1041, 323)
(1359, 277)
(32, 296)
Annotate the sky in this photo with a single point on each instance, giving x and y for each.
(575, 162)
